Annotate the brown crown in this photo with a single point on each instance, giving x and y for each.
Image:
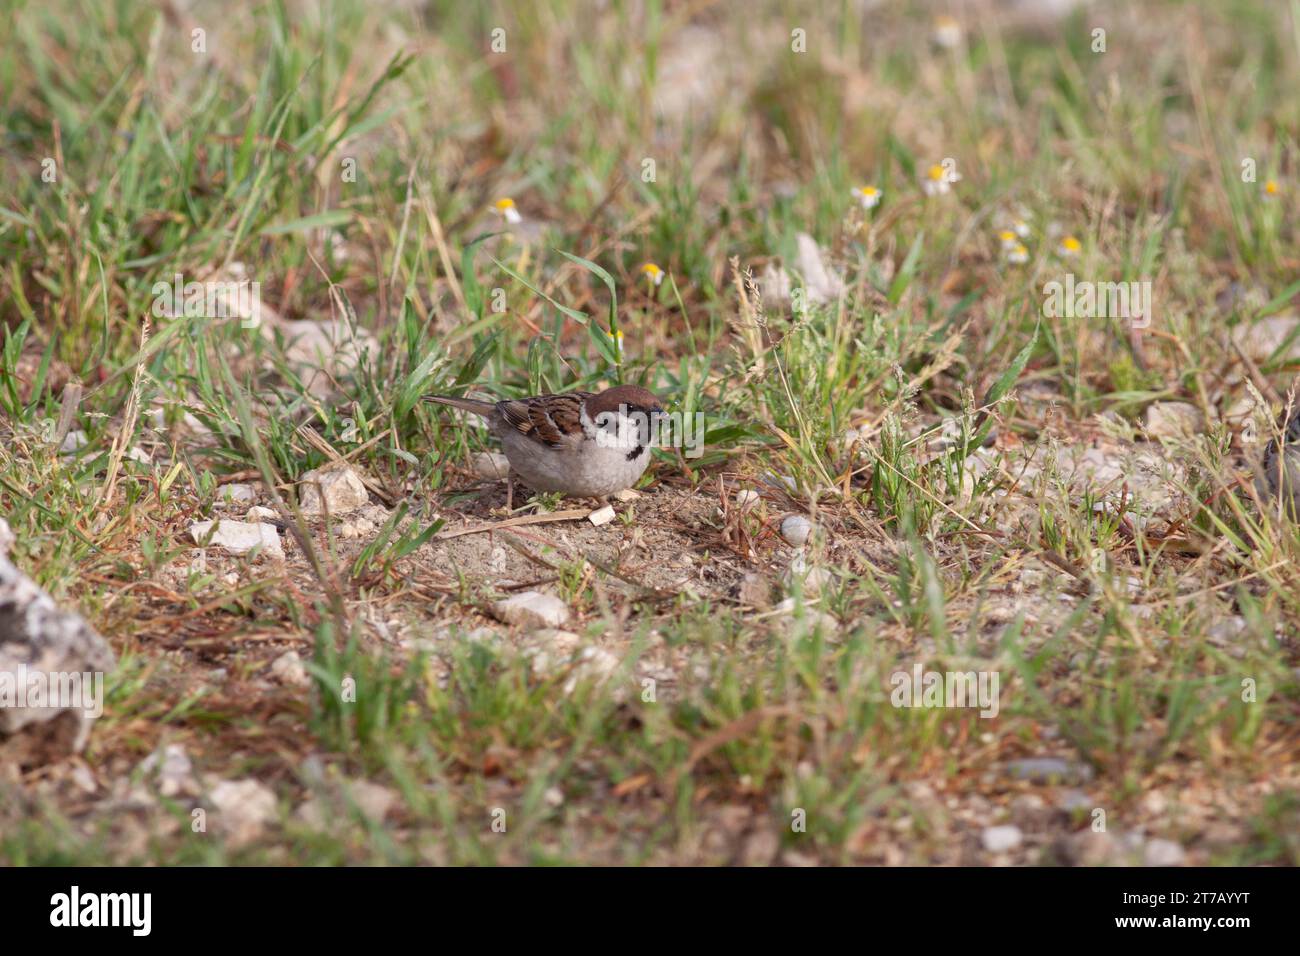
(634, 397)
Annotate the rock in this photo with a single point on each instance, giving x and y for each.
(1001, 839)
(490, 465)
(796, 530)
(754, 590)
(242, 808)
(239, 537)
(320, 350)
(237, 494)
(1091, 848)
(1075, 801)
(627, 494)
(1163, 853)
(1261, 339)
(73, 442)
(288, 669)
(553, 651)
(337, 489)
(172, 770)
(821, 283)
(532, 609)
(808, 619)
(7, 538)
(808, 577)
(258, 513)
(601, 516)
(1049, 770)
(371, 800)
(747, 498)
(52, 666)
(1173, 420)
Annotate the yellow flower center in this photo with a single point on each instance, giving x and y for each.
(936, 172)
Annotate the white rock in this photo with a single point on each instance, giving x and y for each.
(810, 577)
(288, 669)
(238, 493)
(490, 465)
(258, 513)
(796, 530)
(320, 349)
(73, 442)
(136, 453)
(601, 516)
(1261, 339)
(6, 538)
(175, 773)
(242, 808)
(239, 537)
(627, 494)
(1173, 420)
(1163, 853)
(338, 489)
(532, 609)
(747, 498)
(822, 283)
(373, 801)
(1001, 839)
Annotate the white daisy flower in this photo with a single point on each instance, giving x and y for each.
(938, 180)
(868, 196)
(1018, 254)
(946, 33)
(1069, 247)
(505, 208)
(653, 273)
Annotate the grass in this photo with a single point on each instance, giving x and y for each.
(347, 156)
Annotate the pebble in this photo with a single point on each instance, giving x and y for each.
(796, 530)
(240, 537)
(1002, 838)
(338, 488)
(532, 609)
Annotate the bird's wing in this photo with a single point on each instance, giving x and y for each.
(552, 420)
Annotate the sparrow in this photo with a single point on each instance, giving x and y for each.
(1279, 475)
(582, 444)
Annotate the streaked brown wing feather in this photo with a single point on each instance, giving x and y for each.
(553, 420)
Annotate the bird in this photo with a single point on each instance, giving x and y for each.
(1279, 474)
(581, 444)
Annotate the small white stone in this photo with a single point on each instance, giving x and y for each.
(1163, 853)
(242, 809)
(6, 538)
(136, 453)
(747, 498)
(1173, 420)
(288, 669)
(532, 609)
(73, 442)
(1001, 839)
(601, 516)
(338, 489)
(627, 494)
(239, 537)
(258, 513)
(490, 465)
(796, 530)
(238, 494)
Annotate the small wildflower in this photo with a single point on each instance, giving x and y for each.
(938, 180)
(618, 343)
(1008, 239)
(1021, 228)
(506, 209)
(868, 196)
(1069, 247)
(653, 273)
(1270, 189)
(946, 33)
(1018, 254)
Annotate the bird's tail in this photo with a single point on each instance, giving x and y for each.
(465, 404)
